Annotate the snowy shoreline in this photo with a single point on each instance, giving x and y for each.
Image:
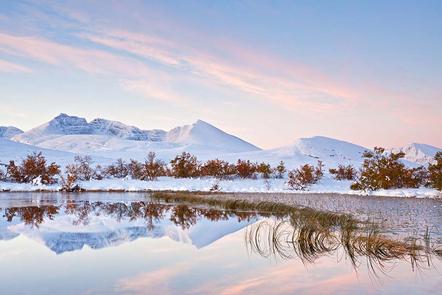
(325, 186)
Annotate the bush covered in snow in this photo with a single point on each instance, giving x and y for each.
(343, 172)
(435, 172)
(135, 169)
(382, 170)
(2, 174)
(32, 169)
(118, 170)
(81, 169)
(304, 176)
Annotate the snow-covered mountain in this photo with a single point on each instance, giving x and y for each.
(202, 133)
(308, 151)
(418, 152)
(114, 139)
(107, 139)
(71, 125)
(9, 131)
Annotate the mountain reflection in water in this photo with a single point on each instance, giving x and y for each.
(301, 235)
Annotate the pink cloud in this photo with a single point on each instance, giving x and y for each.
(53, 53)
(9, 67)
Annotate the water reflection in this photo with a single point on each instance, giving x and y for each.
(231, 241)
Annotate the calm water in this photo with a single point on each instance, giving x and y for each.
(103, 243)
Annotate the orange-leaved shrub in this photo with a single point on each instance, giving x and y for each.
(435, 172)
(245, 169)
(135, 169)
(382, 170)
(304, 176)
(264, 169)
(118, 169)
(343, 172)
(32, 168)
(81, 168)
(280, 170)
(153, 167)
(185, 165)
(218, 169)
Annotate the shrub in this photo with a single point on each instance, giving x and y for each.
(245, 169)
(118, 170)
(153, 168)
(216, 168)
(68, 183)
(280, 169)
(99, 173)
(385, 171)
(435, 172)
(2, 175)
(264, 169)
(81, 168)
(304, 176)
(185, 165)
(135, 169)
(343, 172)
(32, 168)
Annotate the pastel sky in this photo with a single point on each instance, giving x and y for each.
(369, 72)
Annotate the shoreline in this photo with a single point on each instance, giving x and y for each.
(372, 194)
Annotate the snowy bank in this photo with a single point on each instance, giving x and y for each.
(326, 185)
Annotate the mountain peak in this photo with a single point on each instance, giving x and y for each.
(419, 152)
(203, 133)
(9, 131)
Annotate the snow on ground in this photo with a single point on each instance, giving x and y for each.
(326, 185)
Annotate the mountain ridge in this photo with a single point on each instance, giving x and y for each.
(113, 139)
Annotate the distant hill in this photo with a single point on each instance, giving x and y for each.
(9, 131)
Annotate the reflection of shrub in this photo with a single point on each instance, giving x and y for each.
(264, 169)
(435, 172)
(385, 171)
(245, 169)
(184, 165)
(343, 172)
(81, 168)
(152, 168)
(305, 176)
(33, 167)
(280, 169)
(118, 169)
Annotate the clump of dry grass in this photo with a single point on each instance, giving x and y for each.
(308, 234)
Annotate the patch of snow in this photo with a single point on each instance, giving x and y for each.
(326, 185)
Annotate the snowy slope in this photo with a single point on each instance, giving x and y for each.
(9, 131)
(308, 151)
(12, 150)
(204, 134)
(419, 153)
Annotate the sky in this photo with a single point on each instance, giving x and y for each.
(368, 72)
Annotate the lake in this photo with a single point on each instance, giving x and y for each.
(139, 243)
